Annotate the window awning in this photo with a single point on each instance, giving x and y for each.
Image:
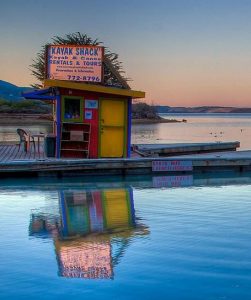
(41, 94)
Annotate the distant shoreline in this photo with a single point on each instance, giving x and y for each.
(33, 119)
(204, 113)
(201, 110)
(25, 119)
(155, 121)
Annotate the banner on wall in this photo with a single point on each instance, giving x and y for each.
(74, 63)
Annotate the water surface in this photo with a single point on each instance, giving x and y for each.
(171, 237)
(198, 128)
(9, 132)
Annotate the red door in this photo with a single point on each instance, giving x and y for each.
(91, 116)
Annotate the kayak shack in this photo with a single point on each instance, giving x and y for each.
(91, 121)
(91, 102)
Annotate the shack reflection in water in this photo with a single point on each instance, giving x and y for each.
(90, 231)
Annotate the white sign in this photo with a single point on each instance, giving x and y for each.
(172, 165)
(74, 63)
(91, 104)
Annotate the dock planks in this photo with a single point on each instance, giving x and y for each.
(184, 148)
(20, 163)
(12, 153)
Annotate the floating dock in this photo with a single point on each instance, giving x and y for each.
(17, 163)
(183, 148)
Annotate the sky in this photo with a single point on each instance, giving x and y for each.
(180, 52)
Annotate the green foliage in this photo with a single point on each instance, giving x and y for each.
(4, 102)
(142, 110)
(38, 66)
(24, 106)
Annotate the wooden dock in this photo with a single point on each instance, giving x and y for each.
(18, 163)
(11, 152)
(183, 148)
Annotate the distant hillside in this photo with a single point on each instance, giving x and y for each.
(11, 92)
(143, 110)
(201, 109)
(12, 102)
(24, 107)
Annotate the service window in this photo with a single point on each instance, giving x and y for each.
(72, 109)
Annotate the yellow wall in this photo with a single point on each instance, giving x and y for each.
(113, 121)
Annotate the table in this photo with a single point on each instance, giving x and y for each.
(37, 136)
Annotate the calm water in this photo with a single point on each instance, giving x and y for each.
(9, 133)
(168, 237)
(199, 128)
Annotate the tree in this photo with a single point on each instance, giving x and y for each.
(142, 110)
(113, 70)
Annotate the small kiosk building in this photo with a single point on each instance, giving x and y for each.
(91, 121)
(91, 118)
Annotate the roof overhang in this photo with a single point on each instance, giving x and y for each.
(42, 94)
(93, 88)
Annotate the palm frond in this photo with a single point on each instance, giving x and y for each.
(113, 70)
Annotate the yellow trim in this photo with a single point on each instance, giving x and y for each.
(93, 88)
